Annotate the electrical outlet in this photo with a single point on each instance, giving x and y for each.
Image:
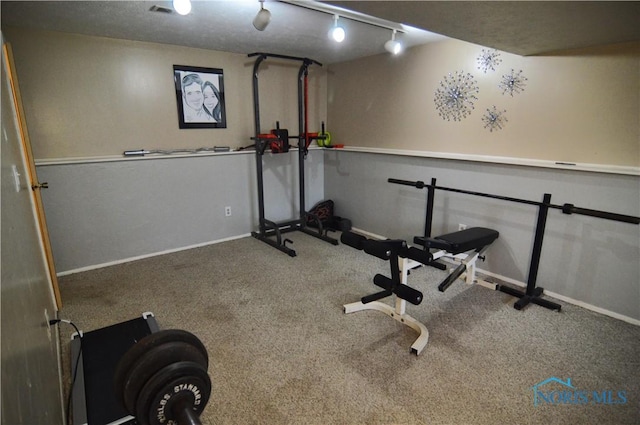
(462, 226)
(227, 211)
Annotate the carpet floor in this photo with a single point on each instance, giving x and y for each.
(282, 351)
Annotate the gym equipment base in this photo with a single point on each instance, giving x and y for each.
(399, 315)
(277, 229)
(93, 395)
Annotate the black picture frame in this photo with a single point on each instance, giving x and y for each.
(195, 106)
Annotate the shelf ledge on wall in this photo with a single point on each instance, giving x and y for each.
(116, 158)
(565, 165)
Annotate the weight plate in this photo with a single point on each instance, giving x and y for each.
(149, 363)
(179, 383)
(181, 396)
(326, 141)
(145, 344)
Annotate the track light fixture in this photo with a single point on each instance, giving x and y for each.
(337, 33)
(183, 7)
(263, 18)
(393, 46)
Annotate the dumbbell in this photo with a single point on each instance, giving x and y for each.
(163, 378)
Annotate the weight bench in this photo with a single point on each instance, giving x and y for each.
(466, 245)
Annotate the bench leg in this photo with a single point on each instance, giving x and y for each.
(469, 260)
(423, 337)
(399, 312)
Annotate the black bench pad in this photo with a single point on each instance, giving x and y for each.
(460, 241)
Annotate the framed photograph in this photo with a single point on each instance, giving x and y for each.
(200, 97)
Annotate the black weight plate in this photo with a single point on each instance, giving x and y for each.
(145, 344)
(151, 362)
(166, 385)
(190, 393)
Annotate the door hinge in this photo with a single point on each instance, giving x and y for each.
(43, 185)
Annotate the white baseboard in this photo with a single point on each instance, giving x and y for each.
(564, 298)
(153, 254)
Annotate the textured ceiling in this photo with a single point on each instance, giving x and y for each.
(216, 25)
(520, 27)
(523, 28)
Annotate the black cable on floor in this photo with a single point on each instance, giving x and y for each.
(75, 371)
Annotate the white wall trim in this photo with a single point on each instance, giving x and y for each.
(118, 158)
(597, 168)
(153, 254)
(559, 297)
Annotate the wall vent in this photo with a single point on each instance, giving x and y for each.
(160, 9)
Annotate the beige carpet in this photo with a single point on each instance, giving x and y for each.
(283, 352)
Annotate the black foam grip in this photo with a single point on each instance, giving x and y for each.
(377, 249)
(408, 293)
(600, 214)
(383, 282)
(354, 240)
(419, 255)
(375, 297)
(452, 277)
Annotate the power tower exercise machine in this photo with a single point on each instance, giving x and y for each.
(269, 231)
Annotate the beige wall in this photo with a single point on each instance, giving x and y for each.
(583, 107)
(90, 96)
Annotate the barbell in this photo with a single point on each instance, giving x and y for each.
(163, 379)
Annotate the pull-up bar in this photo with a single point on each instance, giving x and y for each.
(277, 56)
(532, 294)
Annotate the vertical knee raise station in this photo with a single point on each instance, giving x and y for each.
(278, 139)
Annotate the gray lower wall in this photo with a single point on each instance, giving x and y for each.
(103, 212)
(591, 260)
(106, 212)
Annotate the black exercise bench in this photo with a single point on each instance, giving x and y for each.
(458, 245)
(465, 245)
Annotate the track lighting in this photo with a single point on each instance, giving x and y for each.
(336, 32)
(393, 46)
(263, 18)
(183, 7)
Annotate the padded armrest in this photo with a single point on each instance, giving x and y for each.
(460, 241)
(383, 249)
(354, 240)
(432, 243)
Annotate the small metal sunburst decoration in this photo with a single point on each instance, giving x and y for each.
(456, 95)
(514, 82)
(488, 60)
(494, 119)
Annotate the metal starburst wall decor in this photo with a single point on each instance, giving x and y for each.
(494, 119)
(488, 60)
(513, 82)
(456, 95)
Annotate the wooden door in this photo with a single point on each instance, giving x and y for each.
(36, 186)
